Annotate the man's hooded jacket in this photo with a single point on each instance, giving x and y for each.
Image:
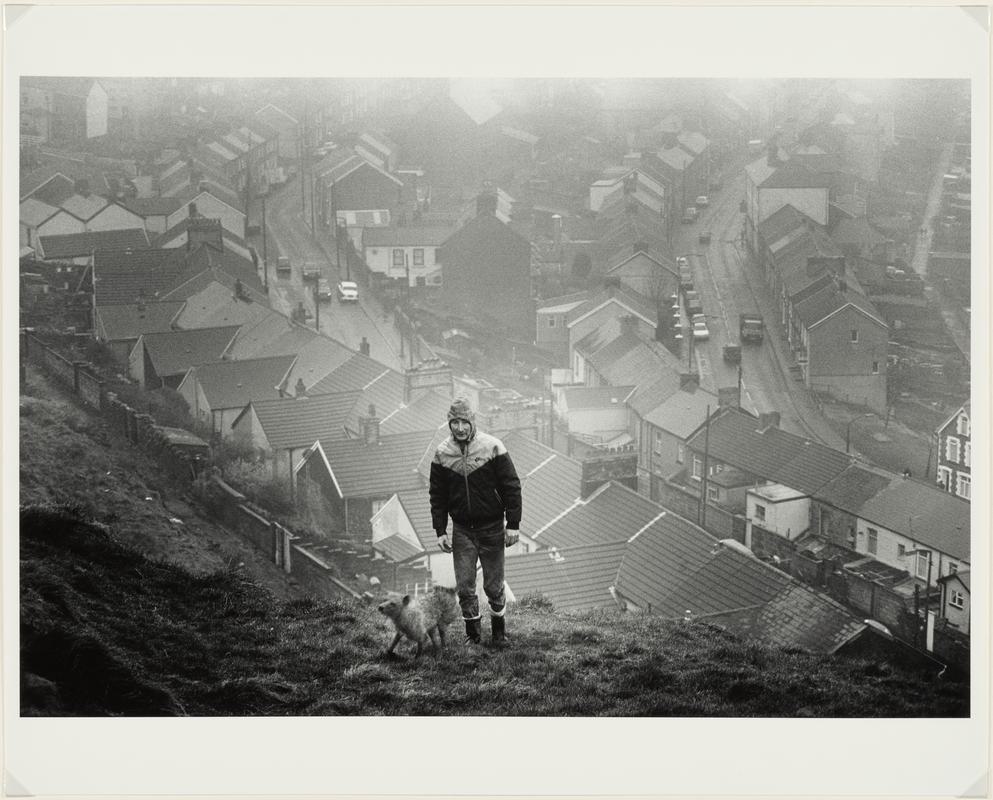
(473, 482)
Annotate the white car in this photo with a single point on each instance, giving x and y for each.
(348, 292)
(682, 261)
(700, 330)
(702, 201)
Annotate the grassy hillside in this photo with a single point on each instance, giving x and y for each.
(104, 630)
(132, 604)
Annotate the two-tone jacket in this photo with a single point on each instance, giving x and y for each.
(475, 484)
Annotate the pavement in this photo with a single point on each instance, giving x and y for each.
(922, 249)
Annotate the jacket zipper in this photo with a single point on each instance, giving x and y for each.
(465, 477)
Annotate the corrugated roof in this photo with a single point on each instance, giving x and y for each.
(659, 557)
(378, 470)
(292, 422)
(233, 384)
(573, 579)
(612, 513)
(924, 513)
(174, 352)
(130, 320)
(73, 245)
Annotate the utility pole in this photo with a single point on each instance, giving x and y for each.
(703, 486)
(265, 251)
(317, 307)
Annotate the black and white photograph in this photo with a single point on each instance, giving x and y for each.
(379, 379)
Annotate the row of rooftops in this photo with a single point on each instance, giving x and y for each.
(915, 509)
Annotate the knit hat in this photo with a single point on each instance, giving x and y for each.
(461, 410)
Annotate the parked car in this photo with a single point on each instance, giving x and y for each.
(682, 261)
(704, 238)
(311, 272)
(700, 330)
(732, 353)
(693, 303)
(702, 201)
(323, 289)
(283, 265)
(348, 292)
(690, 215)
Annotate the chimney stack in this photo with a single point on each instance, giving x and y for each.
(486, 203)
(768, 420)
(369, 426)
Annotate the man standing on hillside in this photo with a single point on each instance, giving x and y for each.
(474, 482)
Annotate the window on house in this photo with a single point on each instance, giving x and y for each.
(713, 494)
(398, 260)
(952, 449)
(964, 489)
(901, 551)
(875, 367)
(967, 454)
(945, 478)
(956, 598)
(377, 506)
(551, 322)
(715, 469)
(952, 567)
(962, 427)
(697, 468)
(658, 443)
(680, 452)
(760, 512)
(872, 541)
(418, 256)
(854, 335)
(923, 560)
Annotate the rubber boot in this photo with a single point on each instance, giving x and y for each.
(473, 631)
(499, 627)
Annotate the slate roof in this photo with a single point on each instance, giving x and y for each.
(658, 558)
(585, 397)
(381, 386)
(853, 487)
(790, 174)
(417, 506)
(216, 304)
(818, 307)
(858, 231)
(181, 227)
(693, 142)
(377, 470)
(33, 212)
(174, 352)
(153, 206)
(682, 412)
(797, 616)
(233, 384)
(125, 277)
(640, 364)
(924, 513)
(727, 581)
(73, 245)
(426, 412)
(573, 579)
(675, 158)
(773, 454)
(85, 208)
(406, 236)
(781, 223)
(130, 320)
(397, 549)
(47, 184)
(626, 253)
(611, 513)
(550, 480)
(292, 422)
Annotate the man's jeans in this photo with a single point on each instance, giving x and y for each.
(484, 546)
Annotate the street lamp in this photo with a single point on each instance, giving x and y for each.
(848, 430)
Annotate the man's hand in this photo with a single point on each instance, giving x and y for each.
(445, 543)
(510, 537)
